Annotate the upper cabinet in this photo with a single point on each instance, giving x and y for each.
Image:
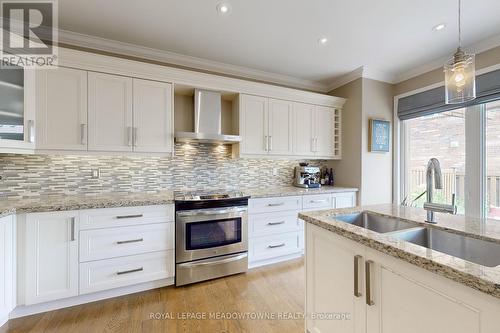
(110, 113)
(61, 120)
(17, 117)
(153, 116)
(283, 128)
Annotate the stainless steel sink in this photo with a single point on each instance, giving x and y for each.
(471, 249)
(374, 222)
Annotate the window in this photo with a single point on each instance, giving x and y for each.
(441, 136)
(466, 142)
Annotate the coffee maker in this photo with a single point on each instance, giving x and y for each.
(307, 176)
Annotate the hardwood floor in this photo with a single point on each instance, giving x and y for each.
(276, 290)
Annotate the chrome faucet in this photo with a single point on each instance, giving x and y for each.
(431, 207)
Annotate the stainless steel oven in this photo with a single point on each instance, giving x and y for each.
(211, 237)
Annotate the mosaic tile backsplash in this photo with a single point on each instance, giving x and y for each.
(194, 166)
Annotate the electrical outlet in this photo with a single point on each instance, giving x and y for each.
(95, 174)
(275, 171)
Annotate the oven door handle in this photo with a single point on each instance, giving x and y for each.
(215, 261)
(212, 212)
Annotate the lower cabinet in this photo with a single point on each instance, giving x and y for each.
(110, 248)
(51, 256)
(7, 276)
(376, 293)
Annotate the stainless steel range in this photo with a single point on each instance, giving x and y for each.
(211, 231)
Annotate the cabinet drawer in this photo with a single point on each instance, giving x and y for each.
(317, 201)
(125, 216)
(273, 246)
(277, 204)
(272, 223)
(125, 271)
(123, 241)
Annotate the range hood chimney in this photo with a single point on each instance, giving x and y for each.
(207, 120)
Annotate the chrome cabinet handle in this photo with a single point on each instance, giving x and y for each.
(31, 137)
(275, 246)
(270, 142)
(73, 237)
(82, 133)
(129, 216)
(130, 241)
(275, 223)
(318, 201)
(135, 136)
(369, 300)
(357, 293)
(215, 261)
(130, 271)
(276, 204)
(129, 136)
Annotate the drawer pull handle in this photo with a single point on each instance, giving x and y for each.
(276, 204)
(130, 271)
(129, 216)
(275, 246)
(318, 201)
(276, 223)
(130, 241)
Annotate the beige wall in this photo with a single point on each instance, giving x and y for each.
(370, 172)
(348, 170)
(485, 59)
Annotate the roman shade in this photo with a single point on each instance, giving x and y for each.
(432, 101)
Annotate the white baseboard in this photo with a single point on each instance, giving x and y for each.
(26, 310)
(260, 263)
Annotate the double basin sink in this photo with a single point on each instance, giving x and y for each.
(478, 251)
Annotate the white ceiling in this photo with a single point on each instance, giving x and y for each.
(390, 37)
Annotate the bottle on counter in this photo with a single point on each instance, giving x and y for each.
(322, 177)
(327, 177)
(331, 180)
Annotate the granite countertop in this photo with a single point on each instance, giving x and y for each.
(110, 200)
(482, 278)
(279, 191)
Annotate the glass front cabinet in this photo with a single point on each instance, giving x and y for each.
(17, 115)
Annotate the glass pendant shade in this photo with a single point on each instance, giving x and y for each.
(460, 78)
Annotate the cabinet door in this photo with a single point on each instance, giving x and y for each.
(402, 302)
(62, 109)
(254, 125)
(303, 124)
(324, 131)
(153, 131)
(110, 112)
(280, 127)
(6, 268)
(51, 264)
(331, 281)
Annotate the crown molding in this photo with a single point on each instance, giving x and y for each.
(479, 47)
(137, 51)
(361, 72)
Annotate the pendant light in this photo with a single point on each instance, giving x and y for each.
(460, 73)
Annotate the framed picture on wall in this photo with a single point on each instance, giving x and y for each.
(379, 137)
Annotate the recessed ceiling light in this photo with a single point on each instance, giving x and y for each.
(440, 26)
(322, 40)
(223, 8)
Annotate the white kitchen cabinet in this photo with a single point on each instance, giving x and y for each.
(280, 127)
(391, 296)
(152, 116)
(334, 283)
(51, 256)
(324, 131)
(7, 253)
(304, 123)
(61, 120)
(344, 200)
(110, 119)
(254, 125)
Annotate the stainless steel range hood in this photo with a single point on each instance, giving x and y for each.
(207, 120)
